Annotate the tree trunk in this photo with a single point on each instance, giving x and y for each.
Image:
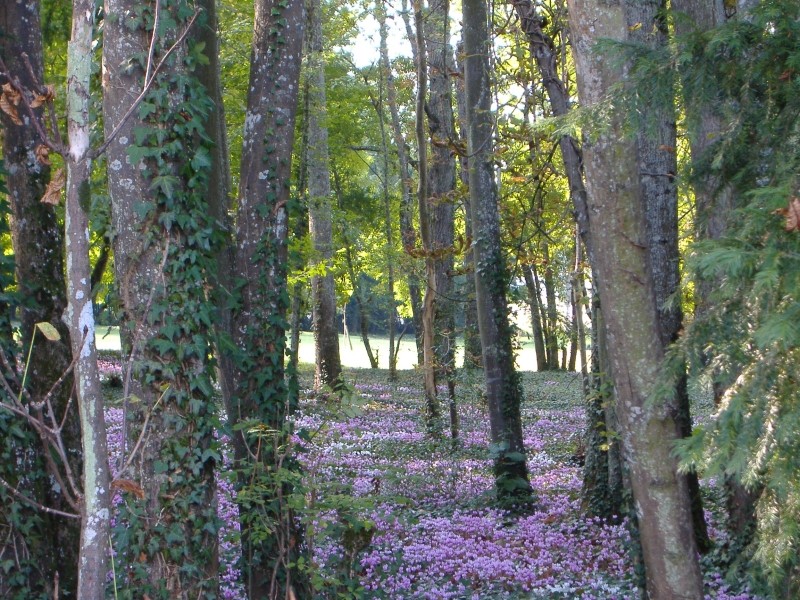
(259, 320)
(96, 506)
(441, 207)
(323, 292)
(617, 224)
(536, 321)
(550, 312)
(37, 241)
(503, 389)
(658, 166)
(385, 79)
(161, 213)
(408, 234)
(428, 365)
(472, 338)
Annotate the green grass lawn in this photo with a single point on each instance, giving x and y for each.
(352, 350)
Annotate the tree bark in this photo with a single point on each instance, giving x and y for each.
(620, 252)
(408, 234)
(259, 319)
(441, 180)
(37, 240)
(323, 292)
(503, 389)
(472, 338)
(96, 506)
(159, 217)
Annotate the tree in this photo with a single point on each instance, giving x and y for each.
(260, 400)
(96, 504)
(503, 389)
(37, 239)
(619, 250)
(163, 246)
(323, 292)
(441, 185)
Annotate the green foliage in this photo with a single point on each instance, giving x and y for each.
(749, 341)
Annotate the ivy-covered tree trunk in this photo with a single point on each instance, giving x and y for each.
(37, 240)
(262, 400)
(96, 503)
(441, 180)
(320, 216)
(620, 252)
(503, 388)
(159, 173)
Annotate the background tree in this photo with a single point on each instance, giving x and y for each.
(323, 293)
(503, 389)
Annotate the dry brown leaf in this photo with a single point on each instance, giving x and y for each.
(52, 195)
(49, 94)
(666, 148)
(793, 215)
(7, 106)
(126, 485)
(43, 154)
(11, 94)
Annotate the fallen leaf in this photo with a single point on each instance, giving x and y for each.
(666, 148)
(52, 195)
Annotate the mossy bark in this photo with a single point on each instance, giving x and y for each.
(95, 511)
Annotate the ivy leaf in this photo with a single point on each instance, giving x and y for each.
(166, 183)
(201, 159)
(48, 331)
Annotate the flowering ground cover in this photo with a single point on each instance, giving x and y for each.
(392, 514)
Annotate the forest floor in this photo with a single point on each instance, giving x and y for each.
(392, 514)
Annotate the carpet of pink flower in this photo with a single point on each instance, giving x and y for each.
(435, 532)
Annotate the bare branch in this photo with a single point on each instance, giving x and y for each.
(14, 492)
